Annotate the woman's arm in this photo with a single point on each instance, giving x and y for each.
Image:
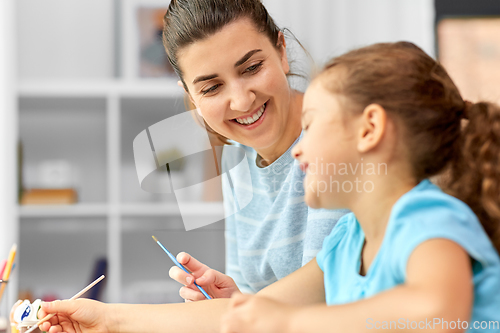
(438, 287)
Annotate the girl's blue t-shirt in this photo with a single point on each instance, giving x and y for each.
(423, 213)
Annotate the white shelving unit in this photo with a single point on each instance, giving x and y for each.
(91, 122)
(92, 125)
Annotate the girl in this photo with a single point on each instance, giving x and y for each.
(409, 256)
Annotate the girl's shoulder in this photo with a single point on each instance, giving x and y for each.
(426, 213)
(427, 207)
(347, 230)
(345, 225)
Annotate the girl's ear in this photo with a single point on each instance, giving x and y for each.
(373, 127)
(282, 50)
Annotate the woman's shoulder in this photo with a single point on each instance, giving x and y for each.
(233, 154)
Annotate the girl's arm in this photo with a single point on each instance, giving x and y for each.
(215, 283)
(438, 289)
(89, 316)
(305, 286)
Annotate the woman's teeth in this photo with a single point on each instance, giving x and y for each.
(251, 120)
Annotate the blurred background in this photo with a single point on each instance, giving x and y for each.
(80, 79)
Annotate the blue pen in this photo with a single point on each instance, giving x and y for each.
(181, 267)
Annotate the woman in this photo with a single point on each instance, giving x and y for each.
(239, 85)
(231, 60)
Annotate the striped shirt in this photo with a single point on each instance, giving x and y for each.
(270, 231)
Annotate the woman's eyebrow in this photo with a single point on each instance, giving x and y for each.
(204, 78)
(238, 63)
(246, 57)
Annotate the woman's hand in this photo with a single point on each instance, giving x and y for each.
(78, 316)
(256, 314)
(215, 283)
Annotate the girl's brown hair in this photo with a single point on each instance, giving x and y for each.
(188, 21)
(441, 131)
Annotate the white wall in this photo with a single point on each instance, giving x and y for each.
(8, 228)
(65, 39)
(331, 27)
(74, 39)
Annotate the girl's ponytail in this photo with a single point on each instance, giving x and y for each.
(445, 136)
(475, 174)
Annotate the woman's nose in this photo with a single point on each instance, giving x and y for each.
(242, 98)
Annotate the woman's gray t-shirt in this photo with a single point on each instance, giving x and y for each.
(275, 232)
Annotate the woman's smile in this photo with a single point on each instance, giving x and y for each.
(252, 120)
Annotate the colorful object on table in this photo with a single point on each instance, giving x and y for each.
(2, 267)
(23, 315)
(47, 317)
(180, 266)
(13, 323)
(10, 263)
(27, 312)
(8, 269)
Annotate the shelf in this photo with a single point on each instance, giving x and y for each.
(171, 209)
(134, 209)
(105, 87)
(63, 210)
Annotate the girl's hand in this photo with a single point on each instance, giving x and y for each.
(78, 316)
(256, 314)
(215, 283)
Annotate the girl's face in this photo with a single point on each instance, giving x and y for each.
(327, 149)
(237, 80)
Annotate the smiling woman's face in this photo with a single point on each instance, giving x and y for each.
(237, 80)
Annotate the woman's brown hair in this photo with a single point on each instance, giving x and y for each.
(441, 131)
(188, 21)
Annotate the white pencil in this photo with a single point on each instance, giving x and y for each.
(47, 317)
